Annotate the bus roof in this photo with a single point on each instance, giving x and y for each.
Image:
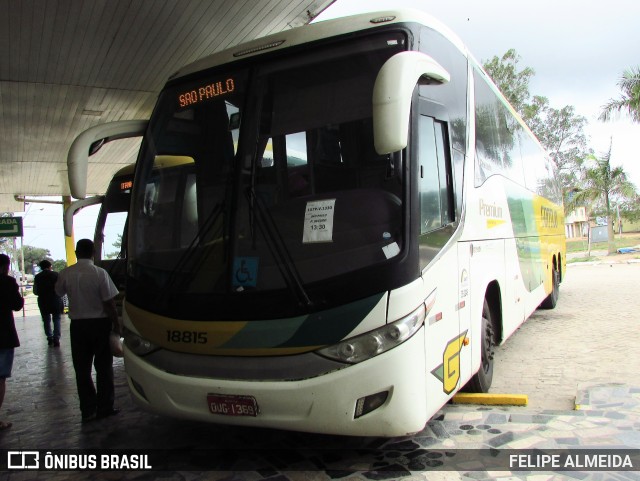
(318, 31)
(161, 162)
(126, 170)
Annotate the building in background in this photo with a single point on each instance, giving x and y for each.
(576, 223)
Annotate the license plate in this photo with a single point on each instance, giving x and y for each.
(232, 405)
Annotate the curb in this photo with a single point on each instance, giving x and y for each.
(491, 399)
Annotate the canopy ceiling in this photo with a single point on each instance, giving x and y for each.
(66, 65)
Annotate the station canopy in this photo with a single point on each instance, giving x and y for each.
(66, 65)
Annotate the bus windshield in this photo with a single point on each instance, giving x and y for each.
(282, 192)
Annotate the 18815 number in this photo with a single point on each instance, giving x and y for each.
(188, 337)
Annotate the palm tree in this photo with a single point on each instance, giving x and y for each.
(629, 100)
(601, 184)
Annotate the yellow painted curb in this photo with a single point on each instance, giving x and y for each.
(491, 399)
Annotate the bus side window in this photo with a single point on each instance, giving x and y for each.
(429, 182)
(112, 245)
(435, 188)
(434, 177)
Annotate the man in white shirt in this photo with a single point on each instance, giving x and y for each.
(93, 314)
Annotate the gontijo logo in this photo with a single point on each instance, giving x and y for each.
(449, 371)
(549, 217)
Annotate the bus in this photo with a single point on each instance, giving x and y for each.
(110, 229)
(110, 223)
(110, 233)
(359, 219)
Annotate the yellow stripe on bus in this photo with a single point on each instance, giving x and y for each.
(200, 337)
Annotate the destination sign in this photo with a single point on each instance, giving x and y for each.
(206, 92)
(126, 185)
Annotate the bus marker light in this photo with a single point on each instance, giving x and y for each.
(430, 301)
(259, 48)
(366, 404)
(436, 318)
(389, 18)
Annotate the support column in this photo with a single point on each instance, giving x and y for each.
(69, 242)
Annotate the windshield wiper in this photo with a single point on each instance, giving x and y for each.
(277, 246)
(190, 251)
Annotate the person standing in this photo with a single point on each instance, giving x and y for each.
(93, 314)
(49, 303)
(10, 300)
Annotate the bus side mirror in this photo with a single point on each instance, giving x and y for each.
(89, 142)
(392, 94)
(75, 207)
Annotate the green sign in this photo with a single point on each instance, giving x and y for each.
(10, 226)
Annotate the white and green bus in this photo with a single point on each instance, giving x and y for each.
(358, 219)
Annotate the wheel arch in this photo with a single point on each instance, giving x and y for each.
(493, 296)
(557, 264)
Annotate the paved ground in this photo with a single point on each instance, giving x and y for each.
(584, 348)
(589, 337)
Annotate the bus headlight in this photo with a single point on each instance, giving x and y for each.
(366, 346)
(138, 345)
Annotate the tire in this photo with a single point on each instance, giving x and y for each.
(552, 299)
(481, 381)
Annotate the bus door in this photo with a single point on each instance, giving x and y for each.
(438, 259)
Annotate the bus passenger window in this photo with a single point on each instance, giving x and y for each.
(112, 235)
(435, 188)
(429, 177)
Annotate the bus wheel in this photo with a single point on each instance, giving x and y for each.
(552, 299)
(481, 381)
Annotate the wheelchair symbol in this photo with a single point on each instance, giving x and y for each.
(245, 271)
(242, 274)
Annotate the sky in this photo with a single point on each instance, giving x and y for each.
(43, 227)
(577, 48)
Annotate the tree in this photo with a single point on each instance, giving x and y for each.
(59, 264)
(513, 83)
(33, 256)
(6, 243)
(560, 131)
(118, 245)
(602, 185)
(629, 100)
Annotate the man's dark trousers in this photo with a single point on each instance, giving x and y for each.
(90, 345)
